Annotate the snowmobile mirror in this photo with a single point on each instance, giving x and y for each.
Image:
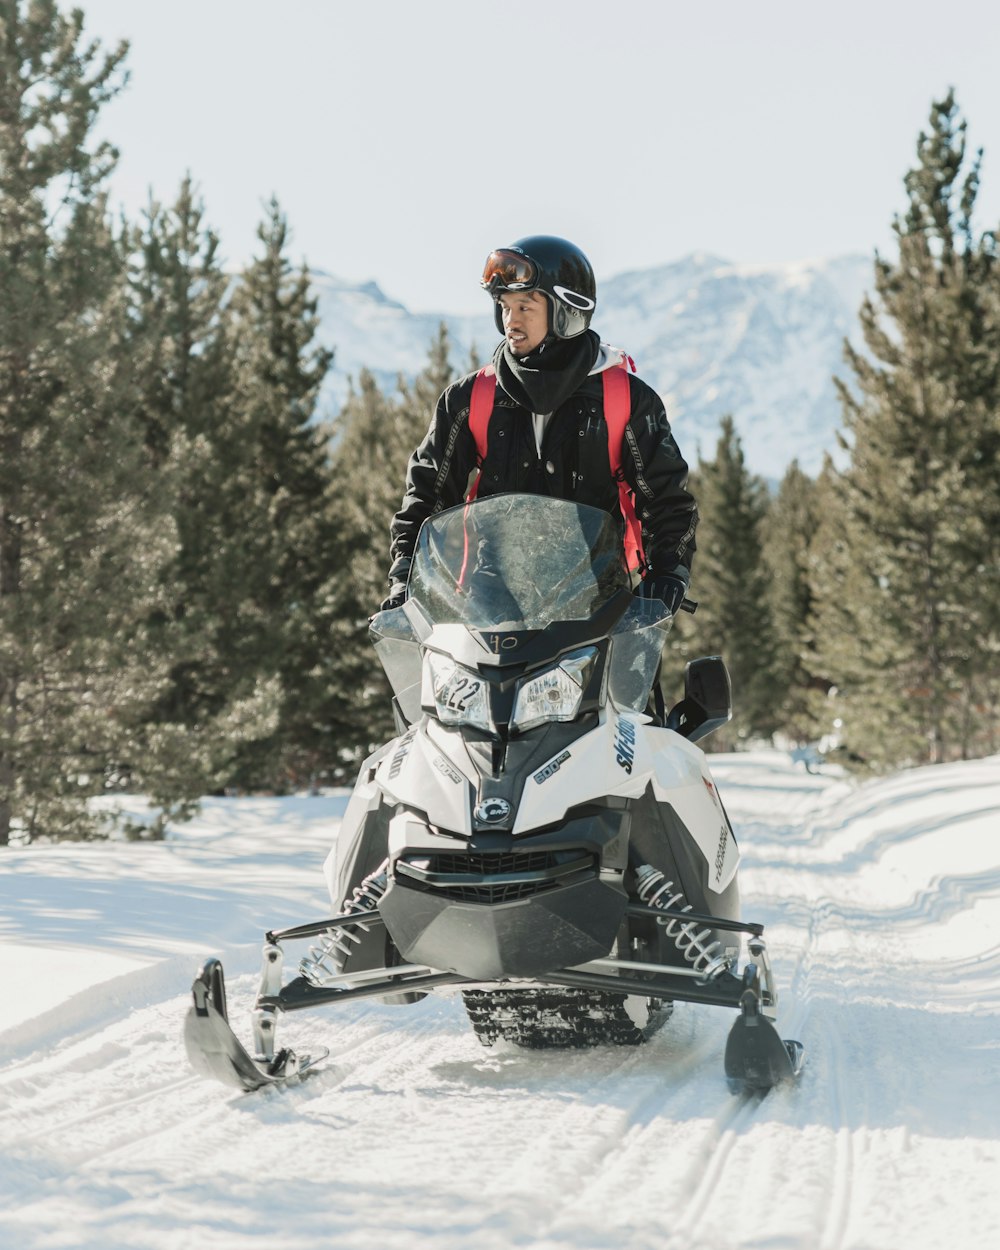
(708, 700)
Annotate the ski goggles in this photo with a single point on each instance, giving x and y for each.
(508, 271)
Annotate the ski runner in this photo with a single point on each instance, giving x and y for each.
(547, 433)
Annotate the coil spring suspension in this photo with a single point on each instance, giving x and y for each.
(325, 962)
(654, 889)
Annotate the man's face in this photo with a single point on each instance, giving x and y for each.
(525, 320)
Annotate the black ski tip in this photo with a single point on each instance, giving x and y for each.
(215, 1051)
(757, 1057)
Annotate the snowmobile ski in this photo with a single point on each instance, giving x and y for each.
(214, 1049)
(757, 1057)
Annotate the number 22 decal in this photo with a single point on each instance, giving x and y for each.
(462, 693)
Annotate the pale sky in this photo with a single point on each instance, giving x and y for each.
(406, 138)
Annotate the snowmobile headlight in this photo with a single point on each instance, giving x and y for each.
(555, 694)
(459, 695)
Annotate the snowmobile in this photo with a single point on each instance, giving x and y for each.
(538, 837)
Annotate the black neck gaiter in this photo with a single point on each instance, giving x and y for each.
(546, 378)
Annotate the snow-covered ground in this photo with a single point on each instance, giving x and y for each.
(882, 906)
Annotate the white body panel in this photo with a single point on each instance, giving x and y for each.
(366, 798)
(428, 770)
(588, 768)
(621, 757)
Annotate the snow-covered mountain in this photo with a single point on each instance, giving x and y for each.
(760, 342)
(368, 330)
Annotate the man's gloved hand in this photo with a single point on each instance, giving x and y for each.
(396, 598)
(670, 587)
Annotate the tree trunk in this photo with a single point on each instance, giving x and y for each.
(10, 584)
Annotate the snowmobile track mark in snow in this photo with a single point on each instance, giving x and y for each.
(822, 915)
(708, 1172)
(826, 916)
(107, 1108)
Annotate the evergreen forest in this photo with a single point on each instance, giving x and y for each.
(190, 550)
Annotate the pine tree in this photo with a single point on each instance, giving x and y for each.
(180, 343)
(228, 379)
(181, 350)
(368, 489)
(734, 617)
(82, 539)
(921, 495)
(845, 631)
(417, 401)
(376, 436)
(788, 530)
(281, 494)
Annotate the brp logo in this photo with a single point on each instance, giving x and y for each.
(574, 299)
(492, 811)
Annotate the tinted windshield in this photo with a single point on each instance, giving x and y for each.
(517, 561)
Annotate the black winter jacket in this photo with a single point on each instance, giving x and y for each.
(573, 464)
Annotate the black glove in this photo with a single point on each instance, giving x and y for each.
(396, 599)
(670, 587)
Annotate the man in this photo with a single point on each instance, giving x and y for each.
(547, 434)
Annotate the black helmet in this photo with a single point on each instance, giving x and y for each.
(553, 266)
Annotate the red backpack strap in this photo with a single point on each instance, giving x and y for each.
(617, 410)
(480, 410)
